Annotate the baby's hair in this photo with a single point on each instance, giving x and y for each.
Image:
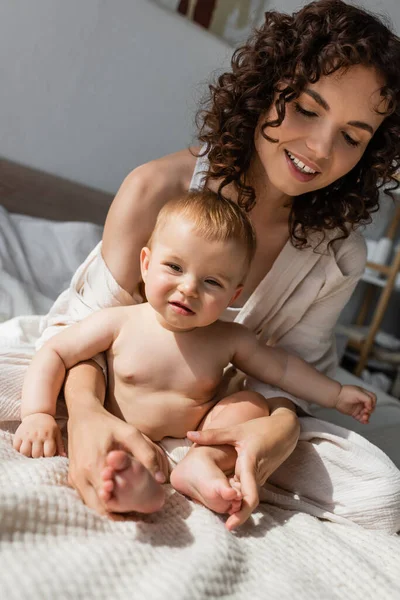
(213, 218)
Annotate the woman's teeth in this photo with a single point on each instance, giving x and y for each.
(300, 165)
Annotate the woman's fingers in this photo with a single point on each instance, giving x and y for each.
(92, 500)
(87, 493)
(213, 437)
(147, 453)
(245, 470)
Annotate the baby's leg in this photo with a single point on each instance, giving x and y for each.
(202, 474)
(129, 486)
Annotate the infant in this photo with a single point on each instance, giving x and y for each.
(166, 360)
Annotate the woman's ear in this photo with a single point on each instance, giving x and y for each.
(145, 254)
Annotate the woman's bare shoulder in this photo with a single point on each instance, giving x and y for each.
(133, 213)
(171, 174)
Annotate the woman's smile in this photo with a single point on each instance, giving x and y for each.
(299, 170)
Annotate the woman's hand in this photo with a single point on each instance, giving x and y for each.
(93, 432)
(91, 435)
(262, 445)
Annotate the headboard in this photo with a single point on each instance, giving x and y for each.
(35, 193)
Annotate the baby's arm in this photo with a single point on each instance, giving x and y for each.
(294, 375)
(38, 434)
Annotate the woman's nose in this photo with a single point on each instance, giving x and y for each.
(320, 143)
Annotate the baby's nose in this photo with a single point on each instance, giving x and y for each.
(189, 286)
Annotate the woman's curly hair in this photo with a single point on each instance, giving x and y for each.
(320, 39)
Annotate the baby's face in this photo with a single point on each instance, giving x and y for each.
(189, 280)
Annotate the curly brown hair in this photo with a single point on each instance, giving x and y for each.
(320, 39)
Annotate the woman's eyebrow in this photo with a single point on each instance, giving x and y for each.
(320, 100)
(362, 125)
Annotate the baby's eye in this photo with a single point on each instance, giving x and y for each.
(174, 267)
(213, 282)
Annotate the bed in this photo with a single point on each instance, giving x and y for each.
(52, 546)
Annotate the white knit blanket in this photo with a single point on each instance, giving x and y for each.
(52, 546)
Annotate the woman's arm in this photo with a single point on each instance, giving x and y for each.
(262, 446)
(133, 213)
(265, 443)
(92, 431)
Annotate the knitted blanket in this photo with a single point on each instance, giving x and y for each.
(53, 546)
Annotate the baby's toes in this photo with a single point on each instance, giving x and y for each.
(106, 490)
(107, 473)
(236, 486)
(108, 486)
(235, 507)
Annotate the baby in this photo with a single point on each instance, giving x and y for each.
(166, 360)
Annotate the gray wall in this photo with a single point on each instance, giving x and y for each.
(388, 8)
(91, 89)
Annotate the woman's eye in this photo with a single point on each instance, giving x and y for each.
(304, 112)
(349, 140)
(175, 268)
(213, 282)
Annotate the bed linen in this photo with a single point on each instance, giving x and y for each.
(51, 545)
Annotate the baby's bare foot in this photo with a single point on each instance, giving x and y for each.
(202, 480)
(129, 486)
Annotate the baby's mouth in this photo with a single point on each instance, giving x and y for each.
(182, 307)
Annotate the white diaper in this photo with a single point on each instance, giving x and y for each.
(175, 449)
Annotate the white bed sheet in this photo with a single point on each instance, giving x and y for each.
(51, 545)
(37, 260)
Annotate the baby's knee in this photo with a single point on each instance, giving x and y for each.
(253, 404)
(256, 402)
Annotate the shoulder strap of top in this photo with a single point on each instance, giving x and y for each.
(199, 173)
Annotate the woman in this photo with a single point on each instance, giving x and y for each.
(299, 133)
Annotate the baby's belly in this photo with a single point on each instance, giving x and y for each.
(159, 414)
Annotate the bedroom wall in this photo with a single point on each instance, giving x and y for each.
(233, 20)
(388, 8)
(91, 89)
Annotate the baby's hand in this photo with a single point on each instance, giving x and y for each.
(39, 435)
(356, 402)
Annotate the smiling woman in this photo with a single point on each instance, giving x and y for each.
(326, 85)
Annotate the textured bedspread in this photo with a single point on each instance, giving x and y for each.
(52, 546)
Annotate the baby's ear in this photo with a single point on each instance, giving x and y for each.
(237, 293)
(144, 262)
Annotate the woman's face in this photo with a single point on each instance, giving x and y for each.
(324, 134)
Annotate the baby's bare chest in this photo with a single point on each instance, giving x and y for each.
(188, 364)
